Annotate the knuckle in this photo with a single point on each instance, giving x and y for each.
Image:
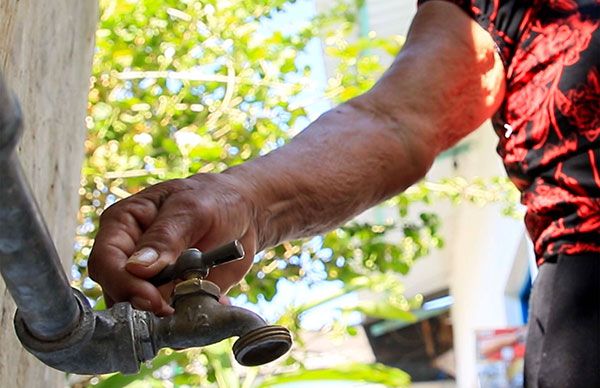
(143, 210)
(163, 234)
(163, 229)
(189, 203)
(115, 211)
(170, 186)
(109, 213)
(127, 211)
(123, 217)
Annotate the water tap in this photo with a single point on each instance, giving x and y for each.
(200, 319)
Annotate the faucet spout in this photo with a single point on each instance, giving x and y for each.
(200, 320)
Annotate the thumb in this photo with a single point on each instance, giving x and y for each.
(176, 227)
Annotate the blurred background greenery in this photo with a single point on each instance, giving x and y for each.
(186, 86)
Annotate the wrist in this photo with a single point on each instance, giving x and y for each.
(252, 187)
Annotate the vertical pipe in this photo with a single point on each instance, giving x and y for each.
(29, 262)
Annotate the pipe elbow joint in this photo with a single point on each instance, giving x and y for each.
(103, 341)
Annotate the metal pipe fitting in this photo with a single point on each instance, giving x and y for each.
(102, 342)
(120, 338)
(57, 324)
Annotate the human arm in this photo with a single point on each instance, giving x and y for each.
(446, 81)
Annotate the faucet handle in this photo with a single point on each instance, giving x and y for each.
(193, 263)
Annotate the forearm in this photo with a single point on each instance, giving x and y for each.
(447, 80)
(343, 163)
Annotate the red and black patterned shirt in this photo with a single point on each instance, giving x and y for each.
(549, 122)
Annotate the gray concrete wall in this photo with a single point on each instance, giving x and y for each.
(46, 50)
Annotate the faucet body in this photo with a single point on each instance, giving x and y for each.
(57, 324)
(200, 320)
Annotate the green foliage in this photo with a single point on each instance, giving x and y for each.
(374, 373)
(180, 87)
(186, 86)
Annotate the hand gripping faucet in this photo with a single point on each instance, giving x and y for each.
(57, 324)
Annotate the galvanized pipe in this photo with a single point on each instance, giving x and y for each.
(29, 262)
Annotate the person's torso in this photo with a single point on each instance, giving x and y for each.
(549, 123)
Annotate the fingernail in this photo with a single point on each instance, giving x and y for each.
(141, 303)
(168, 310)
(144, 256)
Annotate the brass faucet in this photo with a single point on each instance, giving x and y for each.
(200, 319)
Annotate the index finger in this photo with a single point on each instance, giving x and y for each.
(121, 226)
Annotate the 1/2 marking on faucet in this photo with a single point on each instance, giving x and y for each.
(196, 317)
